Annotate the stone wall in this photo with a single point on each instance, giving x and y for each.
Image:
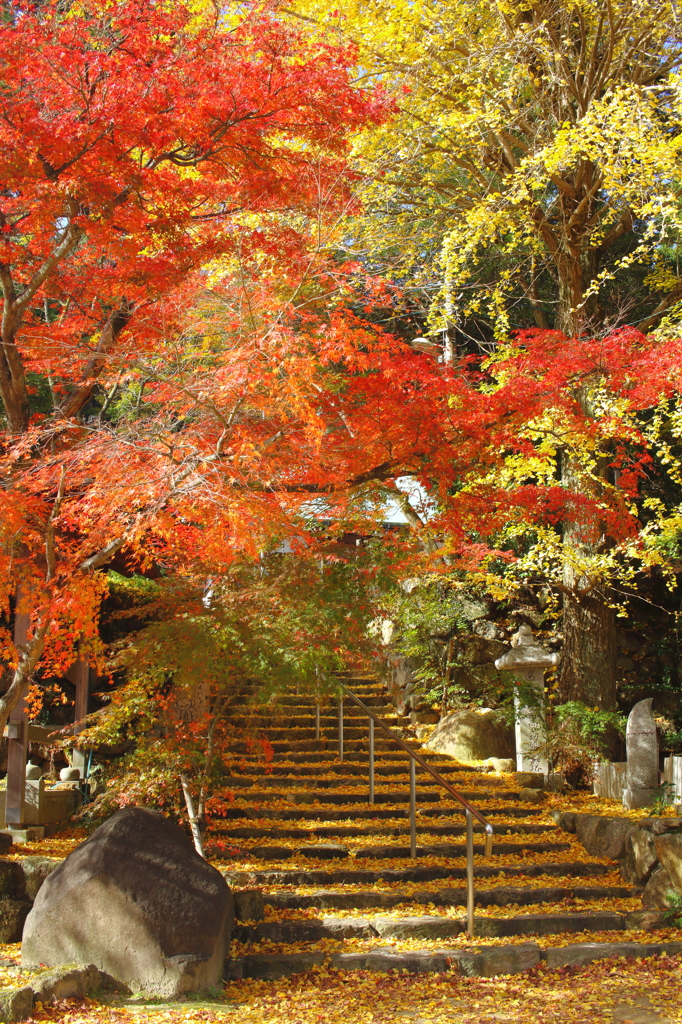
(610, 779)
(648, 852)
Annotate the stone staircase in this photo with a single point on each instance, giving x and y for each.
(321, 877)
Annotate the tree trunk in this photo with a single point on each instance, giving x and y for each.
(588, 662)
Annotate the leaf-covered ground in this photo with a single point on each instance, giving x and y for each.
(613, 991)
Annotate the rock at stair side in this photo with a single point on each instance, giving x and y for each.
(669, 852)
(136, 900)
(474, 735)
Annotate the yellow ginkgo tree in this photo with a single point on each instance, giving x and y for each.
(530, 176)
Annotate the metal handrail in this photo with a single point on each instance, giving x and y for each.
(471, 811)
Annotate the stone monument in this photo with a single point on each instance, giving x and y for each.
(528, 660)
(641, 742)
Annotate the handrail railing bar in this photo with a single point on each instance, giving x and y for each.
(470, 873)
(413, 810)
(371, 760)
(425, 765)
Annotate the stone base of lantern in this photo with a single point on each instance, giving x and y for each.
(633, 798)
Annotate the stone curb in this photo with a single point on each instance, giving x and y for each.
(480, 962)
(249, 879)
(69, 982)
(431, 927)
(501, 896)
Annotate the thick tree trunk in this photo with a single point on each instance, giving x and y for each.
(588, 663)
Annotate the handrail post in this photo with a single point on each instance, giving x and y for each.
(317, 719)
(341, 727)
(413, 809)
(371, 760)
(470, 873)
(417, 759)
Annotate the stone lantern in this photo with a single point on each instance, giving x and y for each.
(528, 660)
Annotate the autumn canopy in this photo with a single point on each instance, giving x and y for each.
(261, 265)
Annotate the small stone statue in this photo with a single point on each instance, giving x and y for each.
(641, 744)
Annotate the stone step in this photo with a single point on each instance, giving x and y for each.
(348, 876)
(387, 758)
(336, 850)
(327, 814)
(311, 796)
(428, 927)
(501, 896)
(456, 850)
(478, 961)
(324, 831)
(326, 744)
(284, 718)
(268, 782)
(374, 698)
(346, 771)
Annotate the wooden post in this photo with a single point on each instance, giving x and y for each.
(80, 675)
(17, 743)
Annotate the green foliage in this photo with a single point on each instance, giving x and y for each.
(577, 736)
(663, 801)
(429, 625)
(246, 636)
(673, 915)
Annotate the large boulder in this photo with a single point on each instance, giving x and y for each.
(601, 836)
(639, 858)
(474, 735)
(658, 891)
(136, 900)
(669, 851)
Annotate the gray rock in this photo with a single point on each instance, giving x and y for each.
(669, 852)
(487, 963)
(136, 900)
(487, 630)
(13, 913)
(386, 960)
(425, 927)
(502, 764)
(5, 843)
(272, 852)
(549, 924)
(660, 825)
(248, 905)
(628, 642)
(309, 930)
(642, 755)
(16, 1004)
(35, 870)
(529, 780)
(603, 837)
(639, 858)
(348, 928)
(532, 796)
(11, 881)
(565, 820)
(472, 736)
(586, 952)
(275, 966)
(656, 895)
(470, 608)
(70, 982)
(325, 851)
(645, 920)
